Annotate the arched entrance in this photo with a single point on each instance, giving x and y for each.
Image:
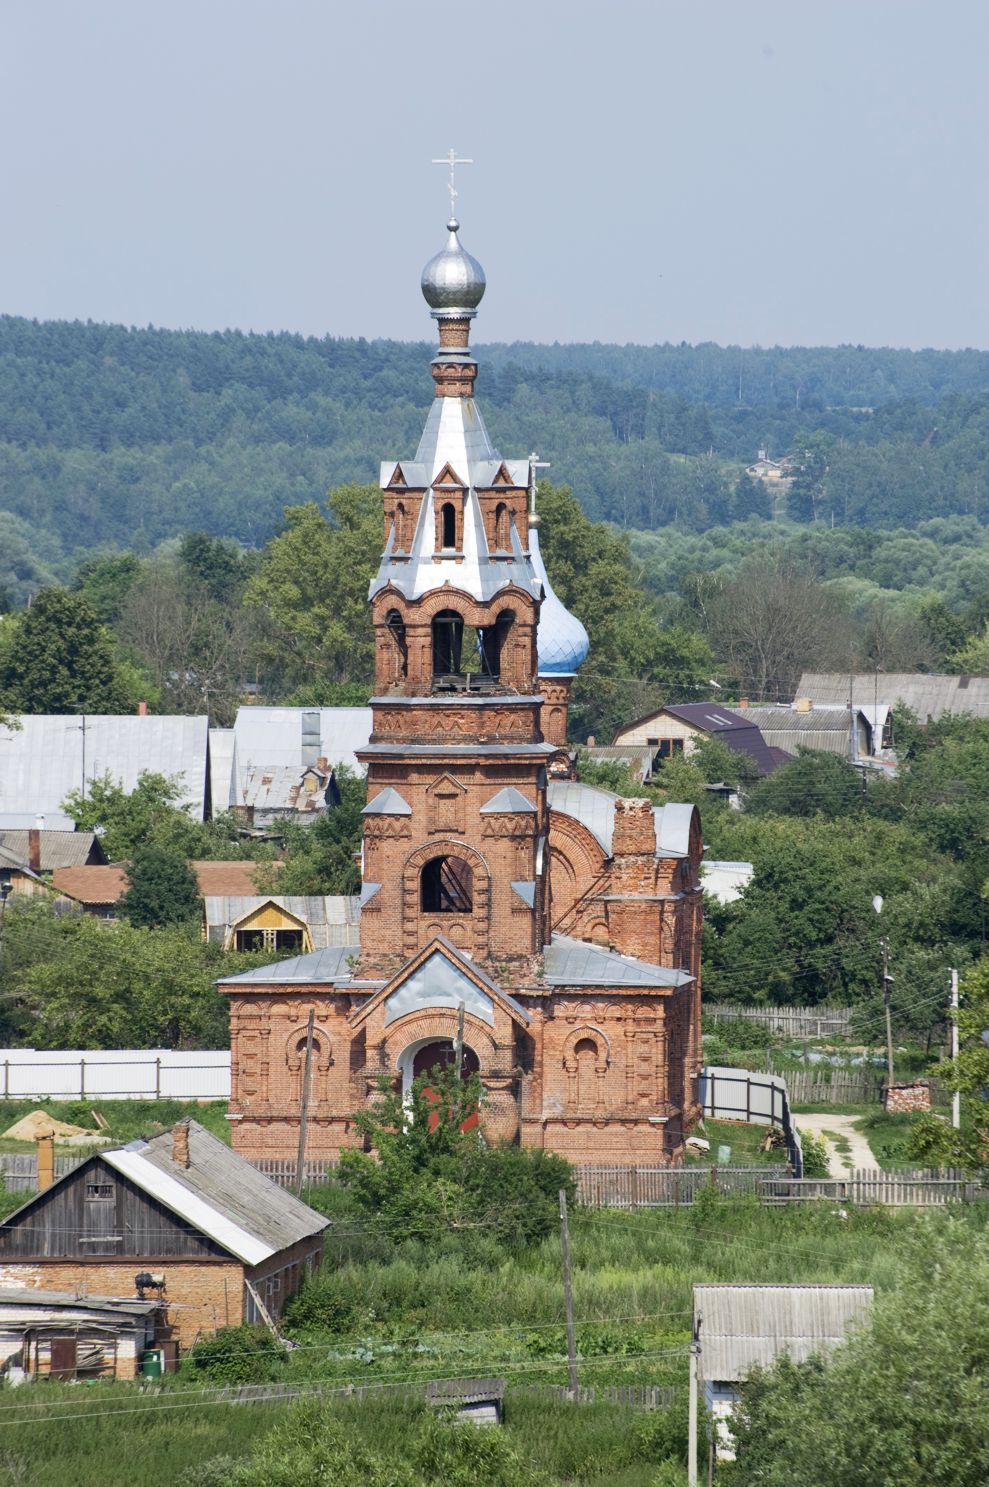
(419, 1058)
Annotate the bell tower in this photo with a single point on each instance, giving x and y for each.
(457, 818)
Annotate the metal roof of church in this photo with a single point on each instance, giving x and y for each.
(575, 963)
(595, 809)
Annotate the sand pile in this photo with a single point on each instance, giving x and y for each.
(38, 1123)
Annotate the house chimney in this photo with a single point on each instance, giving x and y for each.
(180, 1143)
(591, 741)
(803, 705)
(743, 702)
(142, 709)
(46, 1162)
(34, 849)
(323, 764)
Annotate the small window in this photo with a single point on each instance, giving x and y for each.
(448, 519)
(501, 527)
(288, 939)
(100, 1191)
(250, 939)
(668, 747)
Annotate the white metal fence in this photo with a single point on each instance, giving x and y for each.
(129, 1074)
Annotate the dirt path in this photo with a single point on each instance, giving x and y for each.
(840, 1162)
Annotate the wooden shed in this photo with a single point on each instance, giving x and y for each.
(62, 1335)
(217, 1241)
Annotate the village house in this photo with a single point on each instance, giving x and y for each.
(293, 923)
(66, 1335)
(563, 920)
(98, 890)
(215, 1240)
(677, 728)
(27, 855)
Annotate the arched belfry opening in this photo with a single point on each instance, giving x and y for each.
(396, 631)
(446, 886)
(448, 641)
(448, 524)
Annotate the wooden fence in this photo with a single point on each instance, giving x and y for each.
(632, 1396)
(661, 1187)
(919, 1188)
(793, 1022)
(19, 1169)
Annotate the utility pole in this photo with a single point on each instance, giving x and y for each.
(458, 1044)
(695, 1358)
(956, 1099)
(887, 980)
(300, 1162)
(568, 1298)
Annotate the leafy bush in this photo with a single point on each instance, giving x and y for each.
(322, 1302)
(815, 1155)
(237, 1355)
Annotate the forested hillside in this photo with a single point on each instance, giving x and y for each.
(116, 437)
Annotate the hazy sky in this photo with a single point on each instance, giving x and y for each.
(752, 171)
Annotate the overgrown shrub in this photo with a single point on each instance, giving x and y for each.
(237, 1355)
(815, 1155)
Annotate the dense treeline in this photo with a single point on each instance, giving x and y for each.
(129, 437)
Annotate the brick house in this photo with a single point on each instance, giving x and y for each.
(565, 920)
(227, 1244)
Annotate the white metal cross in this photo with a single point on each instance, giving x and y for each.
(451, 161)
(535, 463)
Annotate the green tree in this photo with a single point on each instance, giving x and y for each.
(114, 986)
(324, 857)
(900, 1405)
(61, 659)
(813, 784)
(161, 889)
(105, 580)
(428, 1173)
(127, 819)
(311, 585)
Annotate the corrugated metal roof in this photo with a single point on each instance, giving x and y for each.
(220, 1193)
(638, 760)
(929, 695)
(742, 1326)
(42, 761)
(278, 787)
(333, 919)
(58, 848)
(575, 963)
(824, 728)
(273, 735)
(13, 1296)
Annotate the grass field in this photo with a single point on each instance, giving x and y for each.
(445, 1307)
(126, 1119)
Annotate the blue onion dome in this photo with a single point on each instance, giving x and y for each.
(561, 640)
(453, 282)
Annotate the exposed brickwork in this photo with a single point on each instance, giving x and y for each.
(582, 1070)
(902, 1099)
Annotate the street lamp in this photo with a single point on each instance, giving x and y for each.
(877, 904)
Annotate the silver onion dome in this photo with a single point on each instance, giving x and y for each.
(562, 643)
(453, 282)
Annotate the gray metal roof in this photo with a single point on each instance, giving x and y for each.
(574, 963)
(746, 1326)
(459, 751)
(278, 787)
(455, 435)
(595, 809)
(333, 919)
(42, 761)
(233, 1188)
(928, 695)
(274, 735)
(319, 967)
(507, 802)
(824, 728)
(387, 802)
(639, 760)
(58, 848)
(14, 1296)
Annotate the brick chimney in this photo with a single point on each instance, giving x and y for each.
(46, 1162)
(34, 849)
(634, 833)
(142, 709)
(743, 702)
(180, 1143)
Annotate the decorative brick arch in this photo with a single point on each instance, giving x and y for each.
(439, 1023)
(577, 1099)
(295, 1059)
(473, 927)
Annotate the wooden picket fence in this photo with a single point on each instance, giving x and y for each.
(919, 1188)
(660, 1187)
(792, 1022)
(632, 1396)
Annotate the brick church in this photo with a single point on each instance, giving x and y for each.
(565, 920)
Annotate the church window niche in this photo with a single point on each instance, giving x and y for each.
(447, 886)
(400, 650)
(401, 535)
(448, 524)
(501, 527)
